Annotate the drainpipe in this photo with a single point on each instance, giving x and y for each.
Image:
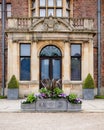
(99, 45)
(3, 43)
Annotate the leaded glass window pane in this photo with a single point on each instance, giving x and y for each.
(42, 12)
(25, 68)
(75, 62)
(8, 7)
(50, 51)
(59, 12)
(56, 69)
(42, 3)
(75, 68)
(59, 3)
(75, 50)
(45, 69)
(50, 12)
(25, 50)
(50, 2)
(8, 10)
(25, 62)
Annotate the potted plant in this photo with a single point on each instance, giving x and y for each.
(13, 88)
(30, 103)
(51, 100)
(74, 103)
(88, 88)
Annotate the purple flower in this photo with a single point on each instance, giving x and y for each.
(78, 101)
(62, 95)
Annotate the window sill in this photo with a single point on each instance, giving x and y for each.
(29, 82)
(72, 82)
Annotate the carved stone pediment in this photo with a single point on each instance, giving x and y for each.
(51, 24)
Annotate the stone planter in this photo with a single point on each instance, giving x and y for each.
(28, 107)
(88, 94)
(13, 94)
(49, 105)
(74, 107)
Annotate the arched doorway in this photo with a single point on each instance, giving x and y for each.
(50, 63)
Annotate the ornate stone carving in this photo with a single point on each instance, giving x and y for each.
(50, 24)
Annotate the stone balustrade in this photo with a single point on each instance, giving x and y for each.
(76, 24)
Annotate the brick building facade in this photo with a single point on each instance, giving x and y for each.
(61, 25)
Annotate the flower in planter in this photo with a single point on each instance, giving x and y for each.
(42, 96)
(44, 93)
(56, 93)
(62, 95)
(72, 98)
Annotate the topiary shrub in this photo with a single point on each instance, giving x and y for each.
(89, 82)
(13, 83)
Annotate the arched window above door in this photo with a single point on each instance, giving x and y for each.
(50, 51)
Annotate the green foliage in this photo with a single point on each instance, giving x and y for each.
(99, 96)
(45, 91)
(2, 97)
(30, 99)
(13, 83)
(51, 84)
(72, 98)
(89, 82)
(57, 91)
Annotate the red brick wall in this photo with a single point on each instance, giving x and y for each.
(19, 8)
(102, 42)
(88, 9)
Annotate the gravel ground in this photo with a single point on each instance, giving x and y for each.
(51, 121)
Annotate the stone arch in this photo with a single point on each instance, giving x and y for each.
(53, 44)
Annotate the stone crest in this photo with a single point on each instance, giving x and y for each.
(50, 24)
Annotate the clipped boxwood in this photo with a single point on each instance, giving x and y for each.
(89, 82)
(13, 83)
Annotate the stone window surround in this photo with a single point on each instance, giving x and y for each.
(63, 11)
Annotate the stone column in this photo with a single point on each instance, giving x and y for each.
(66, 68)
(66, 62)
(37, 9)
(91, 58)
(85, 59)
(16, 59)
(10, 60)
(64, 8)
(35, 67)
(34, 62)
(13, 59)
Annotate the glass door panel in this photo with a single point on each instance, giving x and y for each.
(45, 69)
(56, 74)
